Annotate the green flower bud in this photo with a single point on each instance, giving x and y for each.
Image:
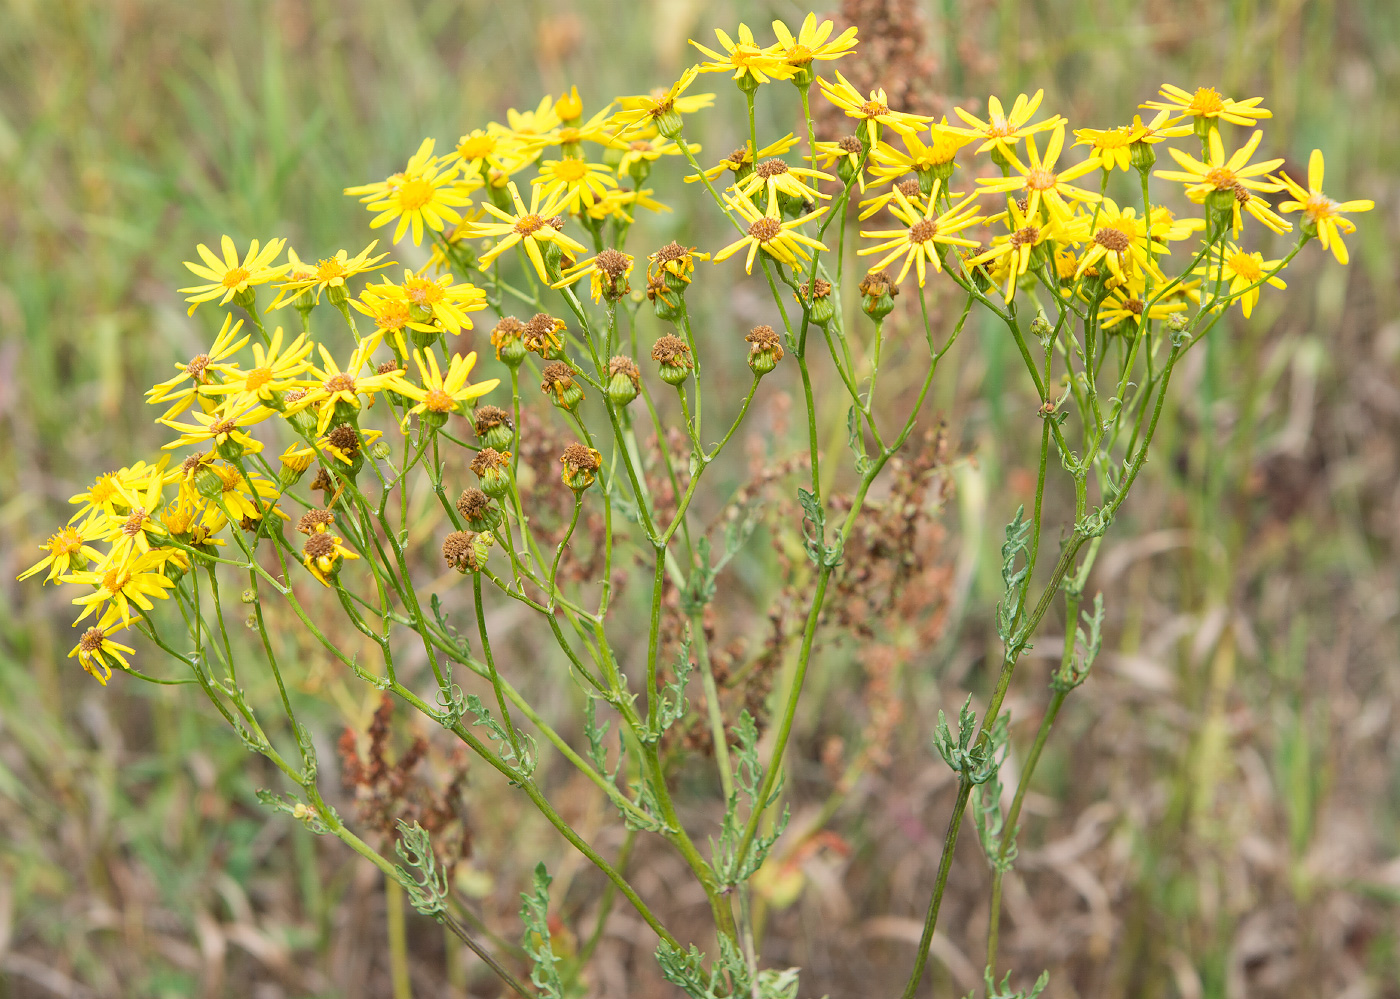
(673, 354)
(476, 507)
(466, 551)
(877, 295)
(581, 465)
(669, 124)
(493, 468)
(508, 338)
(337, 294)
(493, 426)
(767, 350)
(557, 381)
(624, 380)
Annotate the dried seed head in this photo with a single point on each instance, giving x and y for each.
(624, 380)
(466, 551)
(91, 641)
(765, 228)
(319, 545)
(1113, 240)
(1025, 236)
(197, 366)
(344, 438)
(322, 481)
(387, 368)
(488, 459)
(488, 418)
(849, 144)
(878, 283)
(294, 395)
(623, 365)
(771, 168)
(556, 377)
(581, 464)
(1135, 306)
(542, 334)
(765, 338)
(340, 383)
(671, 350)
(509, 326)
(507, 338)
(923, 230)
(671, 251)
(473, 504)
(315, 521)
(910, 188)
(613, 263)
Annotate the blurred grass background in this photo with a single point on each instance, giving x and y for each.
(1219, 815)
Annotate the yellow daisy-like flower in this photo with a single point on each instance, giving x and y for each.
(527, 127)
(1321, 212)
(425, 196)
(1113, 147)
(532, 227)
(769, 232)
(1221, 175)
(478, 150)
(1244, 272)
(222, 427)
(918, 156)
(448, 393)
(329, 272)
(133, 582)
(749, 64)
(340, 386)
(243, 504)
(642, 150)
(874, 109)
(199, 371)
(608, 273)
(323, 554)
(104, 496)
(68, 549)
(776, 177)
(274, 370)
(1206, 103)
(1125, 304)
(1041, 182)
(642, 109)
(391, 314)
(615, 204)
(574, 182)
(230, 276)
(570, 137)
(847, 153)
(1002, 130)
(743, 159)
(97, 652)
(193, 520)
(918, 241)
(1016, 246)
(438, 300)
(1116, 237)
(343, 442)
(811, 42)
(133, 532)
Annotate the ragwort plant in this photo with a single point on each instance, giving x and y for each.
(1081, 283)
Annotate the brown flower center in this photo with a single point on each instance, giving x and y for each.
(340, 383)
(529, 225)
(923, 230)
(1039, 179)
(1113, 240)
(134, 522)
(771, 168)
(765, 229)
(1025, 236)
(91, 641)
(613, 263)
(195, 369)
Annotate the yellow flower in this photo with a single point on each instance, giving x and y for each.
(274, 371)
(811, 42)
(569, 107)
(531, 227)
(570, 137)
(1242, 270)
(329, 272)
(1113, 147)
(390, 313)
(242, 503)
(641, 109)
(478, 150)
(198, 371)
(1206, 103)
(1320, 211)
(193, 520)
(445, 394)
(751, 65)
(340, 387)
(1040, 181)
(222, 426)
(776, 177)
(323, 554)
(424, 196)
(1126, 304)
(122, 585)
(919, 157)
(1117, 237)
(574, 182)
(431, 299)
(876, 109)
(918, 241)
(777, 238)
(742, 158)
(1003, 130)
(66, 550)
(526, 127)
(229, 276)
(609, 271)
(344, 442)
(1219, 173)
(133, 531)
(104, 496)
(845, 151)
(97, 652)
(1016, 246)
(643, 148)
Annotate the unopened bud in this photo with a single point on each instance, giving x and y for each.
(624, 380)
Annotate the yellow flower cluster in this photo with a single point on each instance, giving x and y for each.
(1026, 216)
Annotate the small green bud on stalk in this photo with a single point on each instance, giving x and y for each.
(493, 427)
(493, 468)
(669, 124)
(766, 350)
(581, 465)
(508, 337)
(466, 551)
(877, 295)
(337, 294)
(673, 354)
(624, 380)
(1142, 156)
(478, 510)
(557, 381)
(816, 295)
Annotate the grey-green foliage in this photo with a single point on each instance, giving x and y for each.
(974, 764)
(730, 866)
(986, 815)
(1004, 990)
(672, 705)
(425, 883)
(729, 974)
(1013, 579)
(1075, 669)
(534, 913)
(300, 811)
(496, 732)
(822, 554)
